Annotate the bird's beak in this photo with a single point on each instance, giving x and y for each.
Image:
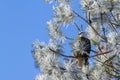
(80, 33)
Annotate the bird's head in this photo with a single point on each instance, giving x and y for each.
(83, 34)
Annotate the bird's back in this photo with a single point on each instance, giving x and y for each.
(86, 44)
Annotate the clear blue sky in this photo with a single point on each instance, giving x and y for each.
(21, 23)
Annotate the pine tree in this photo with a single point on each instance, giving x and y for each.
(100, 20)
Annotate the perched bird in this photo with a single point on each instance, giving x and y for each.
(82, 48)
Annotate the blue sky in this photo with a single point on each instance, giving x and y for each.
(21, 23)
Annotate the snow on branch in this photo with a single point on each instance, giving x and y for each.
(94, 52)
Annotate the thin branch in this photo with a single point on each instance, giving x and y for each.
(89, 18)
(61, 53)
(109, 59)
(101, 62)
(89, 24)
(94, 51)
(69, 38)
(114, 17)
(101, 51)
(103, 29)
(107, 17)
(81, 27)
(110, 21)
(101, 54)
(115, 76)
(78, 56)
(77, 27)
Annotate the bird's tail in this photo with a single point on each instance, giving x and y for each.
(82, 61)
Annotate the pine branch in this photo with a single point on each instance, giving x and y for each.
(101, 53)
(89, 24)
(61, 53)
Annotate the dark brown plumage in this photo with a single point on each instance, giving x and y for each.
(85, 48)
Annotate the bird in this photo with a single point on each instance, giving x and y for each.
(82, 51)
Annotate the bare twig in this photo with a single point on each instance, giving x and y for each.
(101, 53)
(110, 22)
(69, 38)
(109, 59)
(114, 17)
(89, 24)
(115, 76)
(61, 54)
(78, 56)
(77, 27)
(107, 17)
